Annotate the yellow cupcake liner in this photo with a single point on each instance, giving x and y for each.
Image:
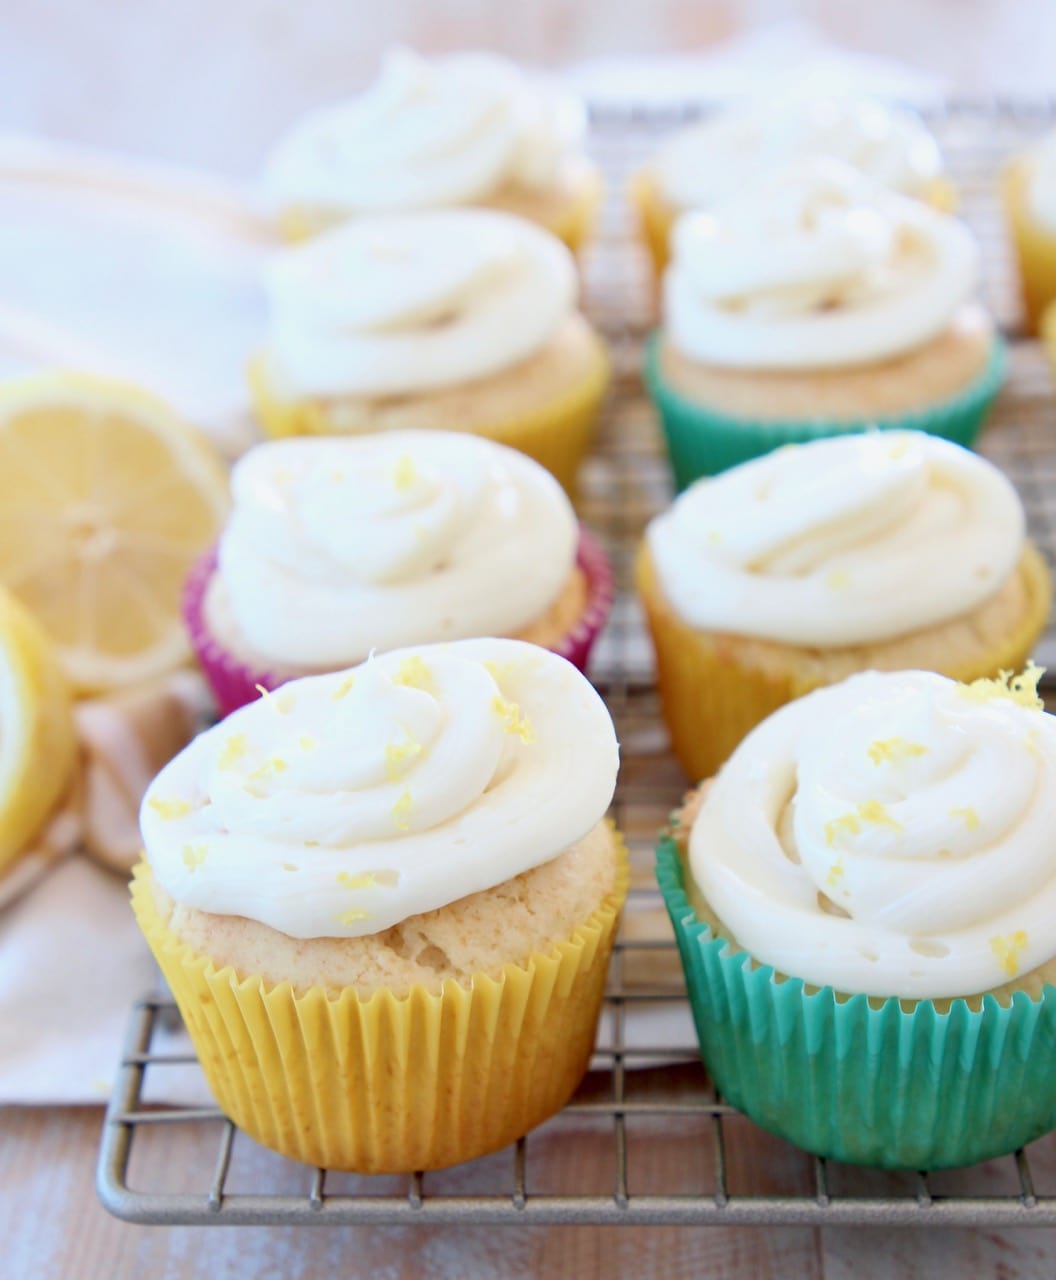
(711, 699)
(656, 217)
(556, 434)
(574, 224)
(387, 1084)
(1034, 245)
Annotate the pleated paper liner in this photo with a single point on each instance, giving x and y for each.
(710, 699)
(702, 441)
(865, 1080)
(235, 682)
(1033, 243)
(391, 1084)
(556, 434)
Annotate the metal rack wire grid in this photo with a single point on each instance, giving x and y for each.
(662, 1147)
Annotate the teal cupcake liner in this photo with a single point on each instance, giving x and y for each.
(702, 442)
(864, 1081)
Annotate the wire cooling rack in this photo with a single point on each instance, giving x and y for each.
(646, 1140)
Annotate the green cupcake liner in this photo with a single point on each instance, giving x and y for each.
(702, 442)
(859, 1081)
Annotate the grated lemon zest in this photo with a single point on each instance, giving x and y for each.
(405, 473)
(401, 811)
(1007, 950)
(194, 855)
(415, 673)
(169, 809)
(350, 917)
(273, 765)
(1022, 688)
(234, 748)
(971, 818)
(891, 750)
(869, 811)
(343, 688)
(397, 752)
(365, 880)
(306, 742)
(838, 580)
(514, 722)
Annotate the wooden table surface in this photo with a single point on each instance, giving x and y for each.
(53, 1228)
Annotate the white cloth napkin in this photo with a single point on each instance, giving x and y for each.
(144, 272)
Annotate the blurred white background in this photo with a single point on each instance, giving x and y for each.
(212, 81)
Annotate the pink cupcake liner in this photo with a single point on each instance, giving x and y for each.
(235, 682)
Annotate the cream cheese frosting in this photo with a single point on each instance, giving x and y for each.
(337, 546)
(343, 804)
(891, 835)
(427, 133)
(814, 267)
(706, 163)
(1041, 182)
(411, 302)
(841, 541)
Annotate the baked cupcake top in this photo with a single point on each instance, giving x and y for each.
(337, 546)
(815, 267)
(343, 804)
(706, 163)
(413, 302)
(1041, 181)
(448, 131)
(841, 541)
(890, 835)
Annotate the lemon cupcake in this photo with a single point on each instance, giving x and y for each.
(385, 899)
(706, 163)
(814, 303)
(336, 548)
(461, 320)
(883, 551)
(467, 129)
(864, 901)
(1028, 186)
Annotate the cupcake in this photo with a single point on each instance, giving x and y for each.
(864, 901)
(385, 899)
(705, 164)
(814, 303)
(1028, 186)
(463, 320)
(468, 129)
(879, 551)
(336, 548)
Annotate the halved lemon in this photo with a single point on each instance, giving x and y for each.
(106, 498)
(38, 746)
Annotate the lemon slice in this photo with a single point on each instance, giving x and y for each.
(106, 499)
(38, 747)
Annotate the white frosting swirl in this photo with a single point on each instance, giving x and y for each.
(923, 809)
(343, 804)
(841, 541)
(815, 267)
(337, 546)
(411, 302)
(1041, 183)
(710, 161)
(428, 133)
